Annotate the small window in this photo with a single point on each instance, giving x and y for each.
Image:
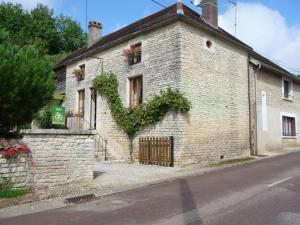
(136, 54)
(208, 44)
(81, 98)
(82, 72)
(136, 91)
(288, 126)
(287, 89)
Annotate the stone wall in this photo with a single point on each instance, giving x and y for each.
(214, 76)
(14, 170)
(60, 157)
(160, 68)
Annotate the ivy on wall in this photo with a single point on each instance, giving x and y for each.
(130, 120)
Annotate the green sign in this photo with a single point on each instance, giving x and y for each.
(58, 115)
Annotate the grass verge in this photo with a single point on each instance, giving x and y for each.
(12, 193)
(232, 161)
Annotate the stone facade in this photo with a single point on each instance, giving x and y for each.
(177, 56)
(60, 158)
(214, 76)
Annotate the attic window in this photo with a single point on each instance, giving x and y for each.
(208, 44)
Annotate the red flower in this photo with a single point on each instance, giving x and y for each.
(4, 153)
(11, 151)
(25, 148)
(19, 148)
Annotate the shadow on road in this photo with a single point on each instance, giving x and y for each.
(189, 207)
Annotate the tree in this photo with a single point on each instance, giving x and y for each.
(52, 35)
(26, 82)
(72, 36)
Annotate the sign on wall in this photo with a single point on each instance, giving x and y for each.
(58, 115)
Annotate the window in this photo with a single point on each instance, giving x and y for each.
(287, 89)
(288, 126)
(136, 56)
(82, 72)
(135, 91)
(81, 97)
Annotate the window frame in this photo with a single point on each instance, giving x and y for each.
(294, 133)
(82, 74)
(287, 95)
(139, 90)
(139, 57)
(79, 100)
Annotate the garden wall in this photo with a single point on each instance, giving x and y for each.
(60, 157)
(15, 171)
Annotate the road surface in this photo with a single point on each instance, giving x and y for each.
(266, 192)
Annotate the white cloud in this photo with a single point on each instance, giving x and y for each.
(266, 31)
(29, 4)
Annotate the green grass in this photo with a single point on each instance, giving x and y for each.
(233, 161)
(12, 193)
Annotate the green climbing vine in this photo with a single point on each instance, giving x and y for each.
(132, 119)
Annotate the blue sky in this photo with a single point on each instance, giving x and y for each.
(115, 14)
(271, 27)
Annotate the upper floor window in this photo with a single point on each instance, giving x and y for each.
(133, 54)
(287, 89)
(81, 100)
(79, 73)
(82, 69)
(135, 91)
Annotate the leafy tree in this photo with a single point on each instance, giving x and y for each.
(26, 82)
(72, 36)
(52, 35)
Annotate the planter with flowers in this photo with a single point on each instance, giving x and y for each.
(133, 55)
(78, 74)
(11, 152)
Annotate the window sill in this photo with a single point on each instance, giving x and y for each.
(287, 99)
(289, 137)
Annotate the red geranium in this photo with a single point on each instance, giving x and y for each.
(25, 148)
(11, 151)
(4, 153)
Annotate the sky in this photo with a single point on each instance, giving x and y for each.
(271, 27)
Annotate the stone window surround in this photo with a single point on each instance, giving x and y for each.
(291, 92)
(291, 115)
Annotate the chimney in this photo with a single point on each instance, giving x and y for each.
(210, 12)
(94, 35)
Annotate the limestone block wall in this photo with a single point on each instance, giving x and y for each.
(14, 170)
(60, 157)
(160, 68)
(214, 76)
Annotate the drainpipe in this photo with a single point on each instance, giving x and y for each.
(257, 67)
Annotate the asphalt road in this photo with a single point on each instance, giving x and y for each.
(261, 193)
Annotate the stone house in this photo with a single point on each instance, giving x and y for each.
(242, 103)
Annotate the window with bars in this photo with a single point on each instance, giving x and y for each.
(135, 91)
(288, 126)
(81, 98)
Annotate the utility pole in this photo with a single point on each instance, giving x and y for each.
(234, 3)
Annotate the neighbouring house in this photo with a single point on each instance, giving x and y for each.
(242, 103)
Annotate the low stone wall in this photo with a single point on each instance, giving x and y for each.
(14, 170)
(60, 157)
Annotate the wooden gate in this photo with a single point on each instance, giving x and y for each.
(156, 151)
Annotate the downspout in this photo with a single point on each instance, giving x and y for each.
(255, 103)
(257, 67)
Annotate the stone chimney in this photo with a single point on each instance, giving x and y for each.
(94, 35)
(210, 12)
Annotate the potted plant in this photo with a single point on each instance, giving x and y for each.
(132, 55)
